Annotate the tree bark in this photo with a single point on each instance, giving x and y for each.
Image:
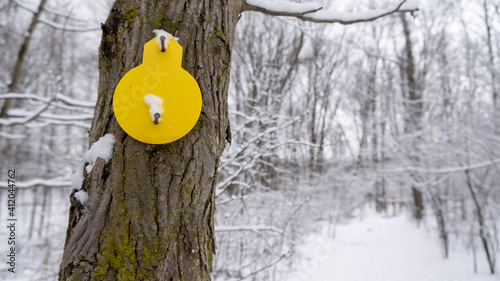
(418, 204)
(414, 109)
(491, 57)
(413, 124)
(150, 210)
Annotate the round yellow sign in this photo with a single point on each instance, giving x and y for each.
(158, 102)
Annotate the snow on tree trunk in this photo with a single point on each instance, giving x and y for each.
(149, 213)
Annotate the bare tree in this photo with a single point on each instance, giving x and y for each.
(491, 57)
(16, 73)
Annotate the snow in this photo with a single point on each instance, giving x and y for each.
(384, 248)
(326, 15)
(102, 148)
(314, 11)
(12, 136)
(56, 25)
(27, 7)
(72, 101)
(23, 113)
(285, 6)
(77, 177)
(54, 182)
(448, 170)
(27, 116)
(57, 96)
(155, 106)
(168, 36)
(410, 5)
(252, 228)
(81, 196)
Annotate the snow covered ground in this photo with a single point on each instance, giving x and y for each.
(385, 249)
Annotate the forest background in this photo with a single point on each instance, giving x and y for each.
(400, 115)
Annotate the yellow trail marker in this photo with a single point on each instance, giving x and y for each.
(170, 90)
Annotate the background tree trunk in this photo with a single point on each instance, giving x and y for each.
(150, 210)
(21, 55)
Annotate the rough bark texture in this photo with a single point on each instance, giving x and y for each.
(150, 210)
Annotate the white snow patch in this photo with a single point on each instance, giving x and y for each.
(102, 148)
(81, 196)
(313, 10)
(410, 5)
(77, 178)
(155, 106)
(384, 248)
(168, 36)
(11, 136)
(285, 6)
(356, 16)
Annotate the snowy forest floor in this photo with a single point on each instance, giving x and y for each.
(368, 247)
(385, 248)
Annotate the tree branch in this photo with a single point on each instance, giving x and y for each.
(16, 73)
(476, 166)
(26, 118)
(281, 8)
(67, 102)
(34, 10)
(57, 25)
(49, 116)
(314, 13)
(267, 266)
(252, 228)
(55, 182)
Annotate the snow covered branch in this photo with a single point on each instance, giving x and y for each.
(448, 170)
(282, 8)
(252, 228)
(58, 97)
(267, 266)
(34, 10)
(25, 118)
(22, 116)
(57, 25)
(55, 182)
(315, 13)
(11, 136)
(69, 28)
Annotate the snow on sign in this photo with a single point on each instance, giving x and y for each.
(158, 102)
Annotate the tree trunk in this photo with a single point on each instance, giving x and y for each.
(414, 109)
(491, 57)
(150, 210)
(481, 220)
(418, 204)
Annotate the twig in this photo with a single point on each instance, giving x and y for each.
(267, 266)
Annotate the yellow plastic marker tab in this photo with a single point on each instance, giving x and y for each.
(173, 103)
